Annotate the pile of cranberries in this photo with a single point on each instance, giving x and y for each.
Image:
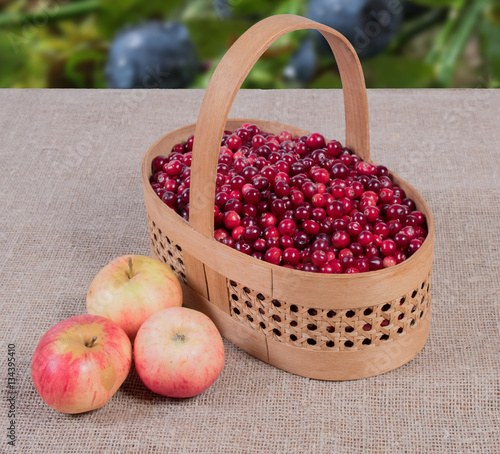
(299, 202)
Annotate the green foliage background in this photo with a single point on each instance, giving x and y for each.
(64, 43)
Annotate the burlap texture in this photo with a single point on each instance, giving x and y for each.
(71, 201)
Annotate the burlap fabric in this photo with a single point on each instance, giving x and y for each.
(71, 201)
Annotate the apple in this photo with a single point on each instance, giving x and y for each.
(130, 289)
(178, 352)
(80, 363)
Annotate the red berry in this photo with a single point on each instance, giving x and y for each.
(273, 255)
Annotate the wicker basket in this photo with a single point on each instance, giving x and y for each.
(330, 327)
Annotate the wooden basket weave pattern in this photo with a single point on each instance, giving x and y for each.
(167, 251)
(311, 328)
(329, 329)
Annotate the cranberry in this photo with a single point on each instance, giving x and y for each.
(251, 195)
(414, 246)
(158, 163)
(334, 149)
(287, 227)
(388, 247)
(389, 261)
(340, 239)
(365, 238)
(320, 202)
(301, 240)
(273, 255)
(301, 213)
(233, 205)
(267, 220)
(376, 263)
(315, 141)
(231, 219)
(396, 212)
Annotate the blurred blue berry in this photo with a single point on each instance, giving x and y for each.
(302, 64)
(369, 25)
(152, 55)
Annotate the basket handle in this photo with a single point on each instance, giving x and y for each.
(225, 83)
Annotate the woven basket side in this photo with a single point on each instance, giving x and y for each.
(167, 251)
(330, 330)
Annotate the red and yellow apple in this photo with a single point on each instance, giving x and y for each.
(130, 289)
(178, 352)
(80, 363)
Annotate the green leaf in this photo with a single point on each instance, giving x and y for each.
(439, 3)
(12, 58)
(389, 71)
(115, 15)
(328, 79)
(213, 36)
(489, 34)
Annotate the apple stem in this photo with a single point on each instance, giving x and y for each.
(130, 272)
(179, 337)
(91, 343)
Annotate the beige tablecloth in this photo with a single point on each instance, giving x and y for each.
(71, 201)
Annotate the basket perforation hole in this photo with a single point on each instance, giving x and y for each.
(277, 332)
(366, 342)
(293, 323)
(330, 329)
(412, 322)
(414, 294)
(312, 327)
(248, 303)
(246, 289)
(262, 311)
(234, 297)
(400, 330)
(386, 307)
(401, 316)
(232, 283)
(414, 308)
(367, 327)
(349, 314)
(384, 337)
(178, 248)
(423, 285)
(236, 311)
(250, 318)
(262, 325)
(368, 311)
(331, 314)
(293, 337)
(276, 303)
(170, 254)
(312, 312)
(155, 237)
(384, 322)
(277, 318)
(348, 344)
(349, 329)
(311, 341)
(330, 344)
(402, 301)
(421, 314)
(261, 296)
(294, 308)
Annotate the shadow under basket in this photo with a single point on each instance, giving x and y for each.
(322, 326)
